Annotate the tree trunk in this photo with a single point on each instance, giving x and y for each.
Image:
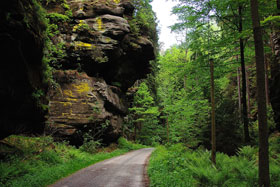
(248, 92)
(239, 91)
(213, 125)
(264, 180)
(244, 100)
(266, 82)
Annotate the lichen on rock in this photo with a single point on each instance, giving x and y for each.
(100, 40)
(82, 100)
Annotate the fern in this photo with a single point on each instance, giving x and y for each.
(270, 20)
(248, 152)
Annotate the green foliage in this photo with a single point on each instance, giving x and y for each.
(38, 95)
(39, 161)
(144, 116)
(89, 144)
(181, 91)
(53, 52)
(56, 17)
(271, 20)
(144, 20)
(128, 145)
(91, 137)
(248, 152)
(212, 32)
(178, 166)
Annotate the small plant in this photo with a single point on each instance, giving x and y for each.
(56, 17)
(90, 145)
(37, 94)
(102, 59)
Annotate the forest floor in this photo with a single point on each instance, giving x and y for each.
(126, 170)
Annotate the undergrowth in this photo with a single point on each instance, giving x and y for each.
(39, 161)
(181, 167)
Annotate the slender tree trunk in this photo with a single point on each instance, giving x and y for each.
(248, 92)
(264, 180)
(266, 82)
(213, 125)
(239, 91)
(244, 100)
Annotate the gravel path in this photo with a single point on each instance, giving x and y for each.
(123, 171)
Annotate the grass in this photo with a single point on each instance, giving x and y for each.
(178, 166)
(39, 161)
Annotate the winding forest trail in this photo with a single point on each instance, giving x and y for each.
(123, 171)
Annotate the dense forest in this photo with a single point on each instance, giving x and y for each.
(210, 105)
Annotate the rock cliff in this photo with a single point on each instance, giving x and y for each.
(103, 58)
(83, 103)
(94, 54)
(22, 42)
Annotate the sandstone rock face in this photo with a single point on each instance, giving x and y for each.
(103, 59)
(99, 41)
(82, 100)
(100, 59)
(21, 63)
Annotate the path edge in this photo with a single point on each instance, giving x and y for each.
(146, 178)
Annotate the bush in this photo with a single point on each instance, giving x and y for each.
(90, 146)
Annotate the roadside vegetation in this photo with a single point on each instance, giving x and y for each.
(176, 165)
(39, 161)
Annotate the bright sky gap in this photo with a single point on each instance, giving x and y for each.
(163, 10)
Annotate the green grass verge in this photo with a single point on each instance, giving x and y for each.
(40, 161)
(178, 166)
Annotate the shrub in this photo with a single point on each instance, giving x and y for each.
(90, 146)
